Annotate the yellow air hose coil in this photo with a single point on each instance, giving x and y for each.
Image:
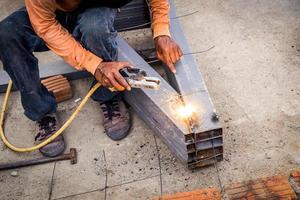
(67, 123)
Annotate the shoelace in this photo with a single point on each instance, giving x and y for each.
(47, 126)
(110, 109)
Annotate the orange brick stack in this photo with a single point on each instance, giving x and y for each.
(200, 194)
(60, 87)
(276, 187)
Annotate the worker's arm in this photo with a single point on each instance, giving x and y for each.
(167, 50)
(61, 42)
(57, 38)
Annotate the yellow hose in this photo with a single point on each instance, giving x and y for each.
(67, 123)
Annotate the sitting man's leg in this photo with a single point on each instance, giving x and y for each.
(96, 32)
(17, 42)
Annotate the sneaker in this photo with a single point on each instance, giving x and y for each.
(46, 128)
(116, 119)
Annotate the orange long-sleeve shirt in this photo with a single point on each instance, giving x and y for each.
(61, 42)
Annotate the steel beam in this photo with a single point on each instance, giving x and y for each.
(188, 81)
(155, 106)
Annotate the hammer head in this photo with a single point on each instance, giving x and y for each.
(73, 156)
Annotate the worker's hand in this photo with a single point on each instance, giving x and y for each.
(107, 73)
(167, 51)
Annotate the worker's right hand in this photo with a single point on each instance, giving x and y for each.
(107, 73)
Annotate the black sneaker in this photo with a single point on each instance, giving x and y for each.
(116, 119)
(47, 127)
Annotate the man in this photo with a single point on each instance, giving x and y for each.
(82, 33)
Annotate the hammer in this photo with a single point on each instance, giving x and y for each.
(72, 156)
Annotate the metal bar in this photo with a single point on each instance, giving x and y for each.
(208, 135)
(72, 156)
(205, 162)
(205, 145)
(188, 81)
(26, 163)
(154, 107)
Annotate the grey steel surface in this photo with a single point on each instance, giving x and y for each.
(153, 106)
(189, 82)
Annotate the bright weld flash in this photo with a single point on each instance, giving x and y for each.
(186, 111)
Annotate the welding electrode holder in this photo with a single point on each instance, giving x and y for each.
(138, 78)
(133, 73)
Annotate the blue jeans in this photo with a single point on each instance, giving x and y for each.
(92, 27)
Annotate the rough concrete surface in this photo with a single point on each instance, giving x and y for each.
(252, 70)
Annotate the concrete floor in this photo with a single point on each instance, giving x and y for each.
(253, 75)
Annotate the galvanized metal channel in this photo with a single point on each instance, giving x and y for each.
(207, 146)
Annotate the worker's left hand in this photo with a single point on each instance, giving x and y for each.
(167, 51)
